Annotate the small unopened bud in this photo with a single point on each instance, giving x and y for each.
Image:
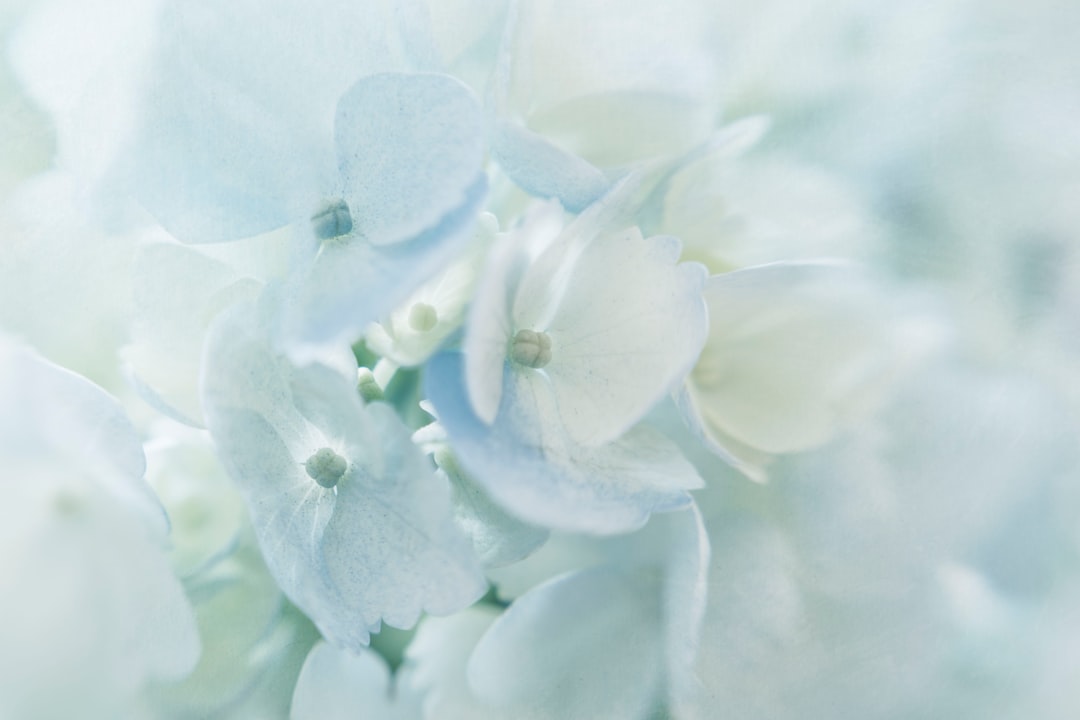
(332, 220)
(326, 467)
(367, 386)
(423, 317)
(531, 348)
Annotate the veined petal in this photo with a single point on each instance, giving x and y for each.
(529, 466)
(409, 147)
(392, 540)
(234, 132)
(375, 541)
(627, 329)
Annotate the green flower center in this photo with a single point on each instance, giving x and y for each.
(326, 467)
(422, 317)
(531, 348)
(332, 220)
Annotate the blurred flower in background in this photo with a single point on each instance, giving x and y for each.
(532, 359)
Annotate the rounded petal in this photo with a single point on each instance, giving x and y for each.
(438, 657)
(233, 133)
(336, 684)
(409, 148)
(601, 660)
(794, 351)
(545, 170)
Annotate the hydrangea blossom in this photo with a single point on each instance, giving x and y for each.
(352, 523)
(560, 363)
(448, 336)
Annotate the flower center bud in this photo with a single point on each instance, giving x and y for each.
(368, 386)
(422, 317)
(326, 467)
(332, 220)
(531, 348)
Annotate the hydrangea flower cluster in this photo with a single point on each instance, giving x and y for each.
(536, 360)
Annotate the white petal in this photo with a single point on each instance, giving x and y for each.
(627, 329)
(239, 610)
(795, 350)
(65, 285)
(206, 514)
(489, 325)
(448, 295)
(438, 656)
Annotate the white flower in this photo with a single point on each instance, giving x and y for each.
(796, 353)
(570, 341)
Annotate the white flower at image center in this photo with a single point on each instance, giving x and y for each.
(571, 340)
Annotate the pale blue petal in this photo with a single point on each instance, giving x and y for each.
(392, 541)
(409, 147)
(498, 537)
(234, 134)
(603, 659)
(381, 545)
(545, 170)
(528, 466)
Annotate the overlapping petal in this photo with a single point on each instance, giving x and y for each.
(528, 464)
